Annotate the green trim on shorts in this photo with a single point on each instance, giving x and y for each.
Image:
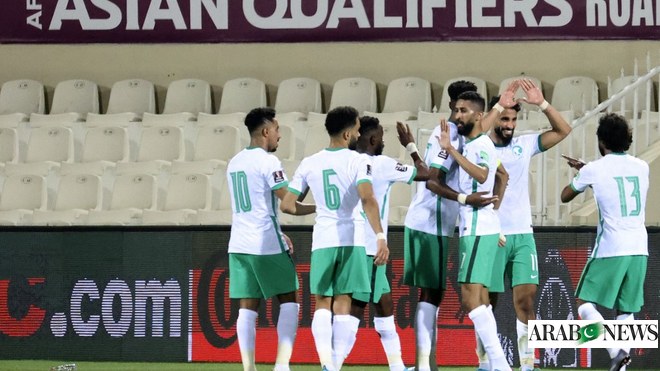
(424, 259)
(261, 276)
(615, 282)
(378, 281)
(338, 270)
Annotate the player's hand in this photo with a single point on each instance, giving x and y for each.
(289, 243)
(382, 253)
(576, 164)
(501, 241)
(533, 93)
(507, 98)
(479, 199)
(444, 140)
(404, 134)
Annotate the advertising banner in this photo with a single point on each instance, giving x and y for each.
(126, 294)
(240, 21)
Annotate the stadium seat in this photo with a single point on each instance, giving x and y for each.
(400, 197)
(411, 94)
(299, 94)
(429, 120)
(576, 93)
(358, 92)
(129, 100)
(159, 146)
(77, 194)
(21, 195)
(626, 105)
(186, 193)
(481, 89)
(215, 146)
(317, 139)
(131, 194)
(185, 99)
(19, 99)
(242, 95)
(9, 145)
(72, 101)
(233, 119)
(290, 146)
(520, 93)
(220, 210)
(47, 147)
(316, 119)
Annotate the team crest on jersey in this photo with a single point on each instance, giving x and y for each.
(401, 167)
(443, 154)
(517, 150)
(483, 155)
(278, 176)
(368, 169)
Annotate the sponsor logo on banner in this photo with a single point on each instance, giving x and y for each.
(590, 334)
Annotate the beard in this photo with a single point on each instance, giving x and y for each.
(505, 140)
(352, 144)
(464, 129)
(379, 150)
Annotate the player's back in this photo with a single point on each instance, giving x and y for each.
(252, 175)
(332, 176)
(620, 184)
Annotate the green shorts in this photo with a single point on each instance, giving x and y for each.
(424, 259)
(261, 276)
(615, 283)
(338, 270)
(476, 255)
(379, 283)
(518, 260)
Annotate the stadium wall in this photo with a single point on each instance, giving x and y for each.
(160, 294)
(326, 62)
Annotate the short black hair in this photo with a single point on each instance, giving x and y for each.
(258, 117)
(368, 124)
(496, 99)
(473, 97)
(339, 119)
(614, 132)
(457, 87)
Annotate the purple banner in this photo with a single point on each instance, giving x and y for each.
(215, 21)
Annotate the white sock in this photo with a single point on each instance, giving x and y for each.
(525, 354)
(588, 311)
(322, 332)
(486, 328)
(344, 333)
(390, 339)
(287, 325)
(426, 320)
(246, 330)
(625, 317)
(482, 356)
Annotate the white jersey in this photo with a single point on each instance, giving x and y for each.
(429, 213)
(515, 210)
(386, 171)
(620, 183)
(332, 176)
(478, 221)
(252, 177)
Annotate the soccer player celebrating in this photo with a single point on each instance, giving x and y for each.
(386, 171)
(518, 257)
(479, 227)
(260, 265)
(614, 275)
(339, 179)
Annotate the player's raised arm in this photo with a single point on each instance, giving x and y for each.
(407, 140)
(560, 128)
(507, 100)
